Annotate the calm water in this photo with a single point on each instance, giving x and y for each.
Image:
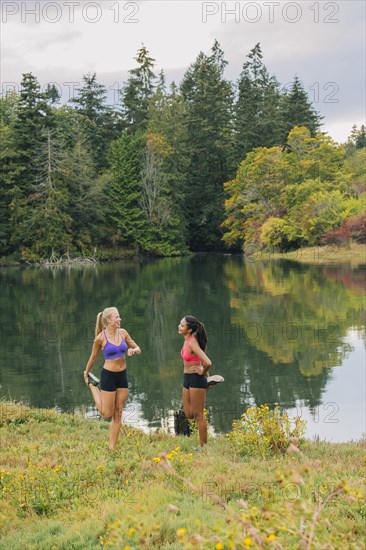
(279, 332)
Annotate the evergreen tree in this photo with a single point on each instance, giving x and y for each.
(257, 109)
(361, 138)
(90, 100)
(43, 225)
(101, 121)
(78, 174)
(138, 91)
(33, 117)
(125, 194)
(357, 139)
(298, 111)
(27, 139)
(9, 166)
(208, 125)
(167, 119)
(52, 94)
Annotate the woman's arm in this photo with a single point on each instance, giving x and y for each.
(195, 348)
(133, 348)
(97, 344)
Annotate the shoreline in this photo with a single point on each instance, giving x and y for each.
(353, 254)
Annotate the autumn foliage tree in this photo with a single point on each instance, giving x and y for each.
(286, 198)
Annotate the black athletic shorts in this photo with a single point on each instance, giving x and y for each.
(194, 381)
(110, 381)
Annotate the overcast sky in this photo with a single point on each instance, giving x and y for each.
(322, 42)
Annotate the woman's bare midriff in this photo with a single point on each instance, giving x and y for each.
(115, 365)
(191, 368)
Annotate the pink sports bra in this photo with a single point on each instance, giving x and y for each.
(187, 355)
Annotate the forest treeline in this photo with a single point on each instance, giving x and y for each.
(208, 164)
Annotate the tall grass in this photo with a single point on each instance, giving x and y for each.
(62, 489)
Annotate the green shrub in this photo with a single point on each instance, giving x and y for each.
(274, 233)
(262, 431)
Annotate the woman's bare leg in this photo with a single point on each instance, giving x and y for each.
(120, 398)
(104, 401)
(197, 399)
(187, 407)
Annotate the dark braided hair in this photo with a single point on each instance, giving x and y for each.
(198, 329)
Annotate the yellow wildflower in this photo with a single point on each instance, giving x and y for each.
(181, 532)
(131, 532)
(219, 546)
(272, 536)
(248, 542)
(117, 523)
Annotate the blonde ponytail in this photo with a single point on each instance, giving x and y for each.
(98, 324)
(102, 318)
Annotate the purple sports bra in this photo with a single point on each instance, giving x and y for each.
(111, 351)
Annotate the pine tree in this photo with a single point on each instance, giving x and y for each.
(78, 174)
(138, 91)
(208, 97)
(257, 109)
(9, 167)
(90, 100)
(43, 225)
(125, 194)
(101, 121)
(167, 119)
(33, 117)
(298, 111)
(361, 138)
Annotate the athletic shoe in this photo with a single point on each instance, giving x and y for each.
(93, 379)
(215, 379)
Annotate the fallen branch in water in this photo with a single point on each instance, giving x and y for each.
(66, 259)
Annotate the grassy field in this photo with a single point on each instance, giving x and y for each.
(354, 254)
(62, 489)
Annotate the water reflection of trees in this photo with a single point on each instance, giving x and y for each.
(275, 329)
(300, 316)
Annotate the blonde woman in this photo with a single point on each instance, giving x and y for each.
(115, 343)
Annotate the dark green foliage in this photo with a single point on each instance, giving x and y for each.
(124, 195)
(257, 109)
(148, 175)
(138, 91)
(208, 120)
(100, 122)
(7, 174)
(298, 111)
(33, 117)
(361, 138)
(357, 139)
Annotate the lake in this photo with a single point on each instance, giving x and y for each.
(279, 332)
